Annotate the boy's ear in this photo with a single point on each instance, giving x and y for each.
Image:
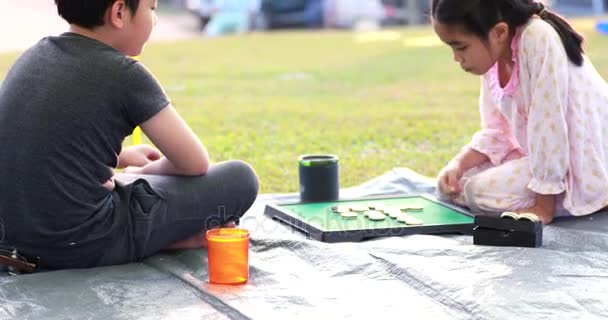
(117, 14)
(500, 32)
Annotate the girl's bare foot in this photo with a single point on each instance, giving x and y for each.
(545, 218)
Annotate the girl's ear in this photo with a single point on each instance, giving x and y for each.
(500, 33)
(117, 14)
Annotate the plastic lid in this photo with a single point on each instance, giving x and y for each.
(314, 160)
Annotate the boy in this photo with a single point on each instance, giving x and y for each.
(65, 107)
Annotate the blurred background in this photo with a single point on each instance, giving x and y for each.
(226, 16)
(25, 21)
(266, 81)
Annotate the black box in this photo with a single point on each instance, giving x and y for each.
(507, 232)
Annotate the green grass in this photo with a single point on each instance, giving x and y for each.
(268, 98)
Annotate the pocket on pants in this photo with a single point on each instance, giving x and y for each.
(148, 209)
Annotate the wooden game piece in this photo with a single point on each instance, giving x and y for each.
(376, 216)
(340, 209)
(409, 220)
(393, 212)
(380, 206)
(349, 215)
(529, 216)
(368, 212)
(413, 221)
(401, 217)
(359, 208)
(523, 216)
(412, 208)
(509, 214)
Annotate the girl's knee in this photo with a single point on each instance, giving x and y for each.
(483, 198)
(472, 194)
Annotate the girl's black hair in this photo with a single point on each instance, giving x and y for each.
(480, 16)
(88, 13)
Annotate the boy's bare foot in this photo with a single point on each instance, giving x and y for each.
(229, 225)
(196, 241)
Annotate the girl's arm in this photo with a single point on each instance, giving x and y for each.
(545, 74)
(450, 175)
(468, 158)
(183, 152)
(495, 139)
(494, 142)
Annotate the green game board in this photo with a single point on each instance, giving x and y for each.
(319, 222)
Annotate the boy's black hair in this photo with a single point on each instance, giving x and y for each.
(480, 16)
(88, 13)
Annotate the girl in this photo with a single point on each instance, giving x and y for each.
(543, 148)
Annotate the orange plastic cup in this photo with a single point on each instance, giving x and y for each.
(228, 255)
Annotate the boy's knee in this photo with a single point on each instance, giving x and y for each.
(243, 174)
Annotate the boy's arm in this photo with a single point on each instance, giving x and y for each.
(137, 156)
(183, 152)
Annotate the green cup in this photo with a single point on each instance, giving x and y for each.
(319, 176)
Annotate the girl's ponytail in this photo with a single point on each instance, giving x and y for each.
(571, 39)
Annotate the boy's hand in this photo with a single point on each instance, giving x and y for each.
(138, 156)
(109, 184)
(133, 170)
(449, 179)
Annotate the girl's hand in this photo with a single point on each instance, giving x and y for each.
(449, 179)
(138, 156)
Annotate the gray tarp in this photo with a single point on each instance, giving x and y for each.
(420, 276)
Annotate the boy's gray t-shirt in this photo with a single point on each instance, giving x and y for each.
(65, 107)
